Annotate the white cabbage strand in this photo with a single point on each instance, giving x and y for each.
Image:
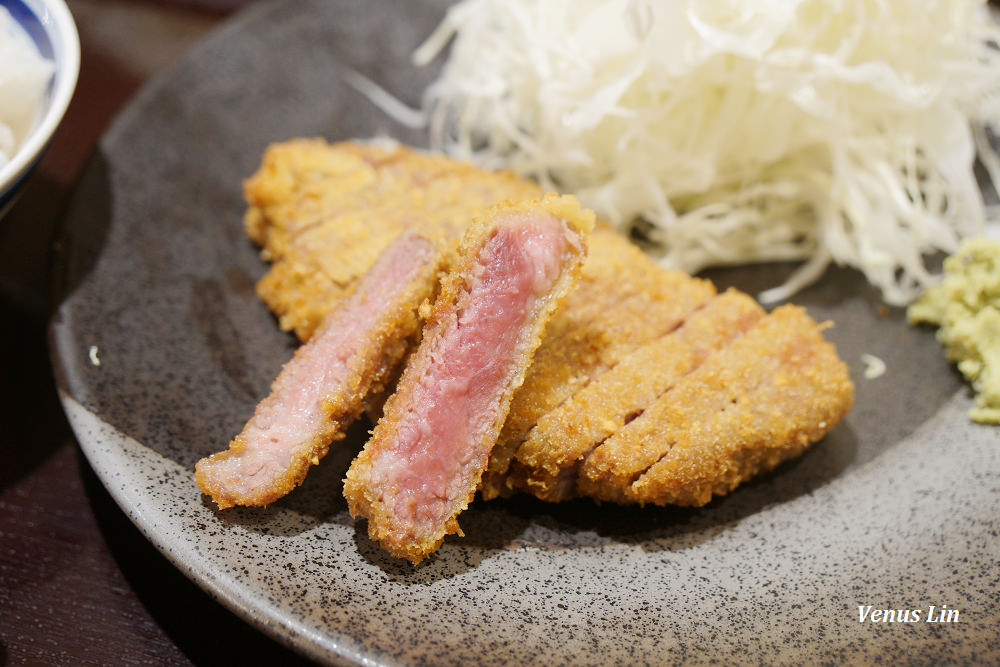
(734, 132)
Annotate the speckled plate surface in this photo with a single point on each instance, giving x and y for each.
(162, 351)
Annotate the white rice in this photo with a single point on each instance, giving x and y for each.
(24, 77)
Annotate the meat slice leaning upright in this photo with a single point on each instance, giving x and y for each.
(323, 389)
(426, 456)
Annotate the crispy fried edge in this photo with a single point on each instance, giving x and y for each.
(700, 459)
(565, 436)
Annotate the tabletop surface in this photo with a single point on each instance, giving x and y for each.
(79, 585)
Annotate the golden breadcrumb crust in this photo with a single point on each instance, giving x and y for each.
(323, 212)
(756, 402)
(547, 461)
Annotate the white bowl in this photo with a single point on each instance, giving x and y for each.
(50, 25)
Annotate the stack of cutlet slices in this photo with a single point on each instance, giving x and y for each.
(647, 387)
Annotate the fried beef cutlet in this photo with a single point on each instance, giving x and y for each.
(615, 405)
(323, 212)
(547, 461)
(423, 463)
(323, 389)
(758, 401)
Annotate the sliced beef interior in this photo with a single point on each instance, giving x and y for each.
(323, 388)
(426, 456)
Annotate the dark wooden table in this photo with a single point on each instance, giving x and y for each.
(79, 584)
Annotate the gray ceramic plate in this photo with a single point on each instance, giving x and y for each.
(162, 351)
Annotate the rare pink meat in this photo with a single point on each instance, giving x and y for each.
(323, 388)
(426, 455)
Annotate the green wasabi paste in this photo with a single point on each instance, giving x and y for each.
(966, 308)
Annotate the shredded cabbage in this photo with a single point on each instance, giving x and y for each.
(726, 131)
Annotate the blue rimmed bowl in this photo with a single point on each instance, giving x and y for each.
(49, 24)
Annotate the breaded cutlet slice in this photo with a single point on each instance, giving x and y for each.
(323, 212)
(547, 462)
(758, 401)
(324, 387)
(621, 301)
(423, 463)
